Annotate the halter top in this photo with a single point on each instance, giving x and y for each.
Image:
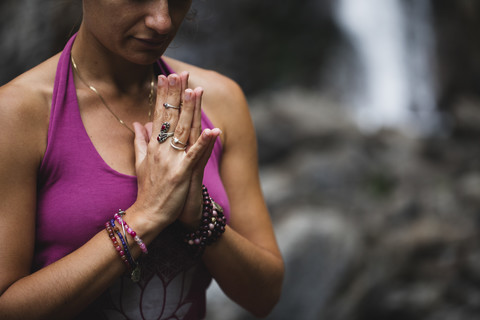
(78, 192)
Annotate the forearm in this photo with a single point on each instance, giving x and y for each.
(249, 274)
(65, 287)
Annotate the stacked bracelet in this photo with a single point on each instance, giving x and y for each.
(129, 230)
(126, 248)
(116, 245)
(132, 266)
(212, 227)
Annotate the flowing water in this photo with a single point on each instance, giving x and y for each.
(393, 48)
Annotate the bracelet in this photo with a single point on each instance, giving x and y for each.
(126, 248)
(129, 230)
(132, 265)
(212, 227)
(116, 245)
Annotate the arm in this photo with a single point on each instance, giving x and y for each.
(245, 261)
(65, 287)
(62, 288)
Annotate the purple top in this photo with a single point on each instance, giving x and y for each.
(78, 192)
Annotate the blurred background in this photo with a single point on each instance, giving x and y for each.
(368, 121)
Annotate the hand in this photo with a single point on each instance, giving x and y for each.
(192, 211)
(164, 174)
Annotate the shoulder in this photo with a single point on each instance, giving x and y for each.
(25, 107)
(223, 100)
(31, 91)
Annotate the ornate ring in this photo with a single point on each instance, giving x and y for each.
(176, 141)
(177, 148)
(170, 106)
(164, 134)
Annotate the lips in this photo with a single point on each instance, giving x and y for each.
(152, 42)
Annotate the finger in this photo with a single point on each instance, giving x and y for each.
(184, 81)
(202, 148)
(173, 98)
(183, 128)
(212, 135)
(140, 142)
(162, 91)
(197, 117)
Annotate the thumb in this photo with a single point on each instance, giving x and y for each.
(140, 142)
(149, 127)
(211, 135)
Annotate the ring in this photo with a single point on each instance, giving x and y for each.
(177, 148)
(168, 105)
(164, 134)
(176, 141)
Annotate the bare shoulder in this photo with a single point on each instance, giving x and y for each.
(32, 89)
(25, 106)
(33, 84)
(223, 100)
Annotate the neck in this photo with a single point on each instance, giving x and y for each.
(99, 65)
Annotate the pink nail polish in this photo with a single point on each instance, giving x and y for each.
(161, 81)
(188, 95)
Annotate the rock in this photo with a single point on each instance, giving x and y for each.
(318, 246)
(406, 219)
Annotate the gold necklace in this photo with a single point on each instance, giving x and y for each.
(150, 95)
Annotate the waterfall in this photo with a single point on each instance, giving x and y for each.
(393, 45)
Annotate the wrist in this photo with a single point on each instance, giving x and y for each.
(193, 223)
(145, 227)
(211, 228)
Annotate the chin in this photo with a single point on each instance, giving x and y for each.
(144, 58)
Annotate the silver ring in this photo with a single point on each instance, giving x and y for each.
(176, 141)
(168, 105)
(177, 148)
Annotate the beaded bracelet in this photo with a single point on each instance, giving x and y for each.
(129, 230)
(132, 265)
(212, 227)
(116, 245)
(126, 248)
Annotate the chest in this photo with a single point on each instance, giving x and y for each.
(109, 127)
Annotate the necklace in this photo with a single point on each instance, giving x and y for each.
(150, 96)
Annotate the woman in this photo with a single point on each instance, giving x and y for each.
(105, 125)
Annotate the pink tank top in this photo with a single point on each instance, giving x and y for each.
(78, 192)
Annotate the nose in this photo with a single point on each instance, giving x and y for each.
(158, 17)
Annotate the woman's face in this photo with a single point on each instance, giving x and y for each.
(137, 30)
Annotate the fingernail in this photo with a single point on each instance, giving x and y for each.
(188, 94)
(172, 81)
(207, 133)
(161, 81)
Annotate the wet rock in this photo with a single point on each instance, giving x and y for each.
(404, 244)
